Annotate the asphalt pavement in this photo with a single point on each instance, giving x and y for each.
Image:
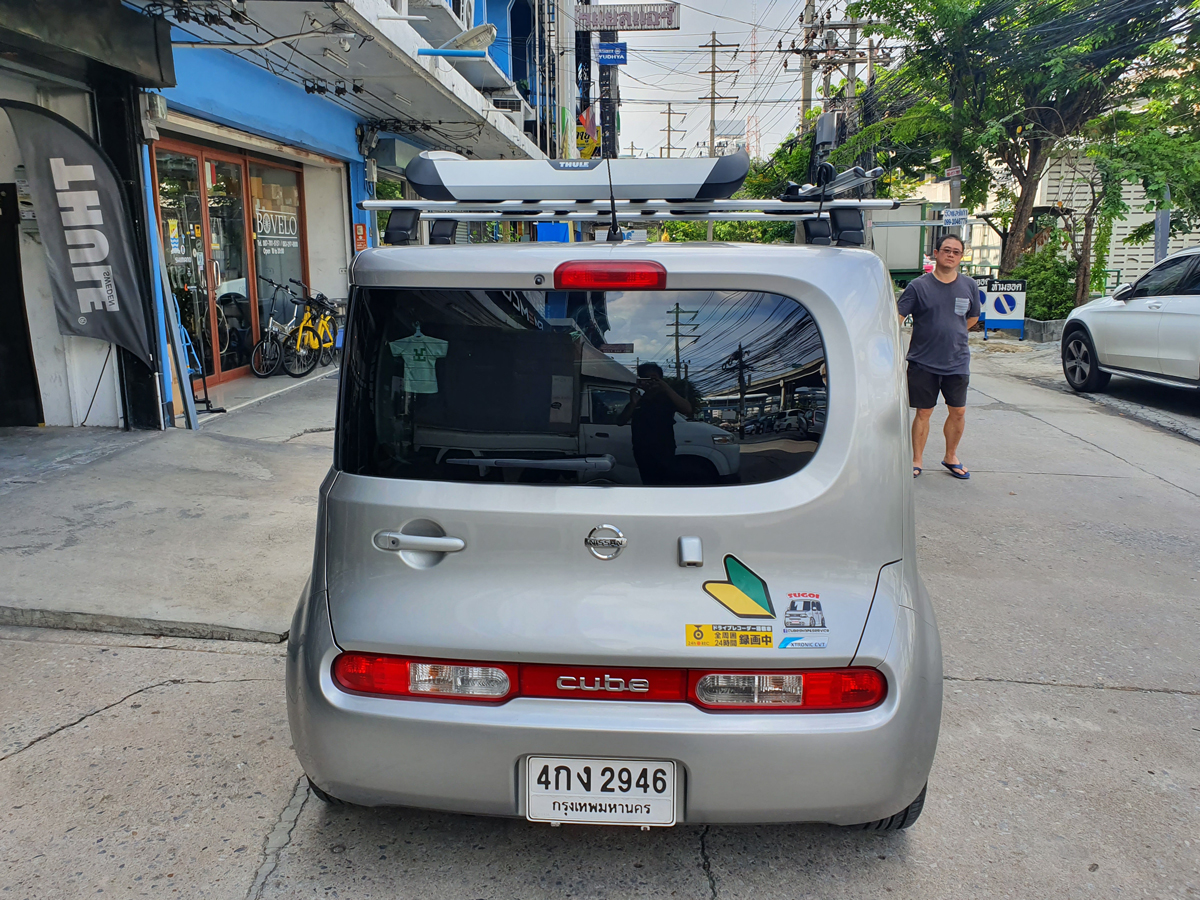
(1065, 577)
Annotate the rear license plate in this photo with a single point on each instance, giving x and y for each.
(600, 791)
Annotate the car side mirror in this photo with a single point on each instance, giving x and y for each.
(1123, 293)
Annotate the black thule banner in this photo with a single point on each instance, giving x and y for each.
(84, 224)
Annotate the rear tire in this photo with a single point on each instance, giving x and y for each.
(903, 819)
(324, 797)
(1081, 366)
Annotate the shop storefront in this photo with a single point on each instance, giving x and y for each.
(233, 227)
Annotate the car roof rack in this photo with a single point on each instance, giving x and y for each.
(454, 187)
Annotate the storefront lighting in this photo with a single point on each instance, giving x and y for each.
(333, 57)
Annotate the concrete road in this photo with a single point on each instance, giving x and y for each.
(1065, 575)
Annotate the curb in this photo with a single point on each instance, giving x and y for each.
(80, 621)
(257, 400)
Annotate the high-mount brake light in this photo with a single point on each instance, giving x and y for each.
(811, 690)
(395, 676)
(610, 275)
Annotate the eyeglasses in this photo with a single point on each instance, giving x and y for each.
(951, 251)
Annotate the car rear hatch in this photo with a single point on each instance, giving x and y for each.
(496, 500)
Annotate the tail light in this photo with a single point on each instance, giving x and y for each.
(813, 690)
(394, 676)
(796, 690)
(610, 275)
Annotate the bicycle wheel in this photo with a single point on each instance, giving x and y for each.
(329, 353)
(265, 357)
(298, 362)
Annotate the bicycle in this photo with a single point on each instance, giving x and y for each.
(267, 354)
(314, 339)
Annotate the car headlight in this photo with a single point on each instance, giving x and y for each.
(724, 439)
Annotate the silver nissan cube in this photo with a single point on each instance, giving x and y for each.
(553, 573)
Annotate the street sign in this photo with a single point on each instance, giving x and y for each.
(611, 54)
(1005, 301)
(627, 17)
(954, 172)
(1004, 306)
(954, 218)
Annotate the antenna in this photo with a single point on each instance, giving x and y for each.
(614, 230)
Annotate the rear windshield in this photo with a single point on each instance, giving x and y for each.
(662, 388)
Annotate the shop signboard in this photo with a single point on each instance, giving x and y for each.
(627, 17)
(612, 54)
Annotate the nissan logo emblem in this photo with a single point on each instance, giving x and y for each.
(605, 542)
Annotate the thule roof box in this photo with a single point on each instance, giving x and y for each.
(445, 176)
(641, 190)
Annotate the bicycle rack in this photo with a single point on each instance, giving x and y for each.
(194, 366)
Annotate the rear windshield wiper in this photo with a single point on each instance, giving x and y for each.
(586, 464)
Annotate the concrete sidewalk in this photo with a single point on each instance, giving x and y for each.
(194, 534)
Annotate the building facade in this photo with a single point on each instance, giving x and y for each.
(245, 133)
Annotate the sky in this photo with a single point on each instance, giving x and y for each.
(664, 66)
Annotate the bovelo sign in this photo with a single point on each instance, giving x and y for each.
(1005, 302)
(628, 17)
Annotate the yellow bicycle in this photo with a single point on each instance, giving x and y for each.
(314, 340)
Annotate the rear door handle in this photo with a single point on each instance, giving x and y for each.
(1154, 306)
(394, 540)
(601, 434)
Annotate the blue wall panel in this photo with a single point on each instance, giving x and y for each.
(219, 87)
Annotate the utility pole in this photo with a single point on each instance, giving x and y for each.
(669, 130)
(712, 72)
(806, 65)
(676, 311)
(852, 77)
(631, 148)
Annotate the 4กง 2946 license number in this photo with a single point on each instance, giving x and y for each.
(600, 791)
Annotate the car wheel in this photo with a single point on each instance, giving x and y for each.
(903, 819)
(324, 797)
(1080, 364)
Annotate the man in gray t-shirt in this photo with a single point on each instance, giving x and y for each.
(944, 305)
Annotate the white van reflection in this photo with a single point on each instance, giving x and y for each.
(804, 614)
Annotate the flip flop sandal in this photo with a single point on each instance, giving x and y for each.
(958, 470)
(917, 470)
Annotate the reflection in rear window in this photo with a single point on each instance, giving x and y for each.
(566, 388)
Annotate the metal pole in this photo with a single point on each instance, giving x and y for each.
(537, 69)
(1162, 228)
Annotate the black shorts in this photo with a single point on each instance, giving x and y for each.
(923, 388)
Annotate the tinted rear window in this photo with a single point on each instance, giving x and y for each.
(543, 387)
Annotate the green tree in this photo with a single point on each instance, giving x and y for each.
(1004, 82)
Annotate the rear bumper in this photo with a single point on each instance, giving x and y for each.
(841, 768)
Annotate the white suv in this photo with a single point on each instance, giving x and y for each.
(1149, 330)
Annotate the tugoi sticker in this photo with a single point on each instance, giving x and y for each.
(754, 637)
(804, 625)
(743, 592)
